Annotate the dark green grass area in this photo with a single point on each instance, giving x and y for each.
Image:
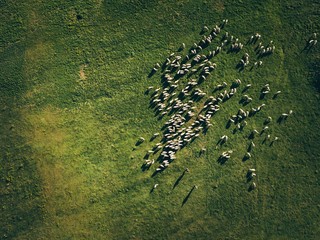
(73, 105)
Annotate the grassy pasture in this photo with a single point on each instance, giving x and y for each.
(72, 106)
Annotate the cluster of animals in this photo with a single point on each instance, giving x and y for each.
(188, 114)
(312, 40)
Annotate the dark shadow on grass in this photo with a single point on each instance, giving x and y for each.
(281, 119)
(156, 172)
(249, 177)
(251, 135)
(245, 158)
(188, 196)
(307, 47)
(245, 89)
(145, 167)
(264, 141)
(262, 95)
(222, 160)
(251, 188)
(228, 125)
(179, 179)
(240, 67)
(241, 101)
(153, 137)
(147, 92)
(151, 73)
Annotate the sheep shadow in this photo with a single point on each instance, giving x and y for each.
(155, 173)
(262, 95)
(228, 125)
(240, 67)
(222, 160)
(145, 167)
(245, 158)
(251, 188)
(151, 73)
(138, 143)
(281, 120)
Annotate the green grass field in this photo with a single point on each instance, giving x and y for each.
(73, 105)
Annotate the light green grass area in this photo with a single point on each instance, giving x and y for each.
(73, 105)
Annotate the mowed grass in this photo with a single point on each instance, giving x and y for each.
(73, 106)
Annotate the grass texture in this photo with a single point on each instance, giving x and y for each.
(73, 105)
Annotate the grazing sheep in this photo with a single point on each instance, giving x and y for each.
(250, 176)
(149, 162)
(205, 29)
(284, 116)
(203, 150)
(274, 140)
(268, 120)
(223, 139)
(276, 94)
(264, 129)
(244, 123)
(253, 186)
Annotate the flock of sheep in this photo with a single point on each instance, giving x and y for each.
(188, 110)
